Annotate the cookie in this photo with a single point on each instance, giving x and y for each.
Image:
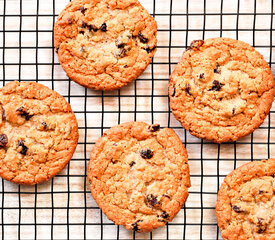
(221, 90)
(38, 133)
(246, 202)
(105, 44)
(139, 175)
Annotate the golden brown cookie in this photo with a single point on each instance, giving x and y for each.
(221, 90)
(38, 133)
(105, 44)
(139, 175)
(246, 202)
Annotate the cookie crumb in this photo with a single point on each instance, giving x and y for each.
(196, 44)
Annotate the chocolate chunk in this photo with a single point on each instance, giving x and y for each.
(81, 32)
(165, 195)
(148, 49)
(142, 38)
(196, 44)
(233, 111)
(3, 140)
(152, 200)
(217, 69)
(83, 10)
(84, 25)
(163, 217)
(261, 226)
(134, 225)
(92, 28)
(103, 27)
(237, 209)
(82, 49)
(23, 113)
(56, 50)
(132, 163)
(120, 45)
(201, 75)
(23, 149)
(216, 86)
(154, 127)
(70, 20)
(187, 88)
(45, 125)
(146, 154)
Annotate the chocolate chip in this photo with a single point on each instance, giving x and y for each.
(261, 226)
(201, 75)
(154, 127)
(163, 217)
(261, 191)
(148, 49)
(196, 44)
(237, 209)
(103, 27)
(187, 49)
(84, 25)
(114, 144)
(216, 86)
(83, 10)
(82, 49)
(3, 140)
(114, 161)
(122, 52)
(23, 113)
(146, 154)
(233, 111)
(187, 88)
(134, 225)
(3, 114)
(70, 20)
(92, 28)
(165, 195)
(217, 69)
(174, 92)
(45, 125)
(152, 200)
(23, 147)
(81, 32)
(142, 38)
(56, 50)
(132, 163)
(120, 45)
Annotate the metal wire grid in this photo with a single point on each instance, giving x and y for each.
(63, 208)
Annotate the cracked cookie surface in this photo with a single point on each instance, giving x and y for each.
(246, 202)
(221, 90)
(105, 44)
(139, 175)
(38, 133)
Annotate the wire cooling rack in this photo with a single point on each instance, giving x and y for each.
(63, 207)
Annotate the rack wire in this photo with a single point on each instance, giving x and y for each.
(63, 207)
